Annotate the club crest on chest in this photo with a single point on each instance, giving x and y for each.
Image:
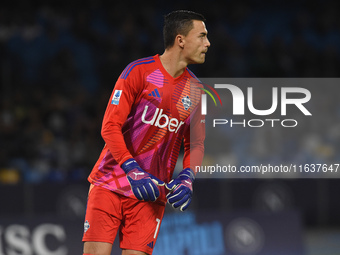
(186, 102)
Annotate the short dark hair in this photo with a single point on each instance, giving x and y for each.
(178, 22)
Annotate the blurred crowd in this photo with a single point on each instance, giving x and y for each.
(59, 64)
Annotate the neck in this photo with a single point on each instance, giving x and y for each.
(172, 62)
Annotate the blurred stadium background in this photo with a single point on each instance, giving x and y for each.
(59, 63)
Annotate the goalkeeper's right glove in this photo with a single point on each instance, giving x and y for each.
(143, 184)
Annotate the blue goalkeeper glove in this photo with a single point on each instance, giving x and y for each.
(143, 184)
(181, 189)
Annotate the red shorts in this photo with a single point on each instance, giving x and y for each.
(138, 221)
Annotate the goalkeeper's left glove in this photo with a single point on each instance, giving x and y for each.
(180, 194)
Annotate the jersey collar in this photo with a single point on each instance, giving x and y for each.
(165, 72)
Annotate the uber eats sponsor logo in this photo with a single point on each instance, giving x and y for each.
(294, 96)
(161, 120)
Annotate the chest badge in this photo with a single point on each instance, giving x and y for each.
(186, 102)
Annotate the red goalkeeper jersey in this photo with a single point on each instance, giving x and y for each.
(147, 117)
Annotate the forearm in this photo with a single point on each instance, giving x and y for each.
(193, 155)
(114, 139)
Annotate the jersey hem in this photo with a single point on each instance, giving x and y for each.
(90, 180)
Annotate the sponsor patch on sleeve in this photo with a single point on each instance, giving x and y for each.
(116, 97)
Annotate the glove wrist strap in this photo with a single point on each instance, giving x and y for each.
(129, 164)
(189, 173)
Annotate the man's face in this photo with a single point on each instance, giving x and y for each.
(196, 43)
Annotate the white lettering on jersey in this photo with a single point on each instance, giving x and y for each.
(172, 124)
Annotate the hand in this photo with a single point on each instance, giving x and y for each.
(143, 184)
(181, 189)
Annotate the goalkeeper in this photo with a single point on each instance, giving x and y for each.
(153, 108)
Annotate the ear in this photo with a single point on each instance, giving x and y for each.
(180, 41)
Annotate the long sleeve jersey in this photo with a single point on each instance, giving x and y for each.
(148, 116)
